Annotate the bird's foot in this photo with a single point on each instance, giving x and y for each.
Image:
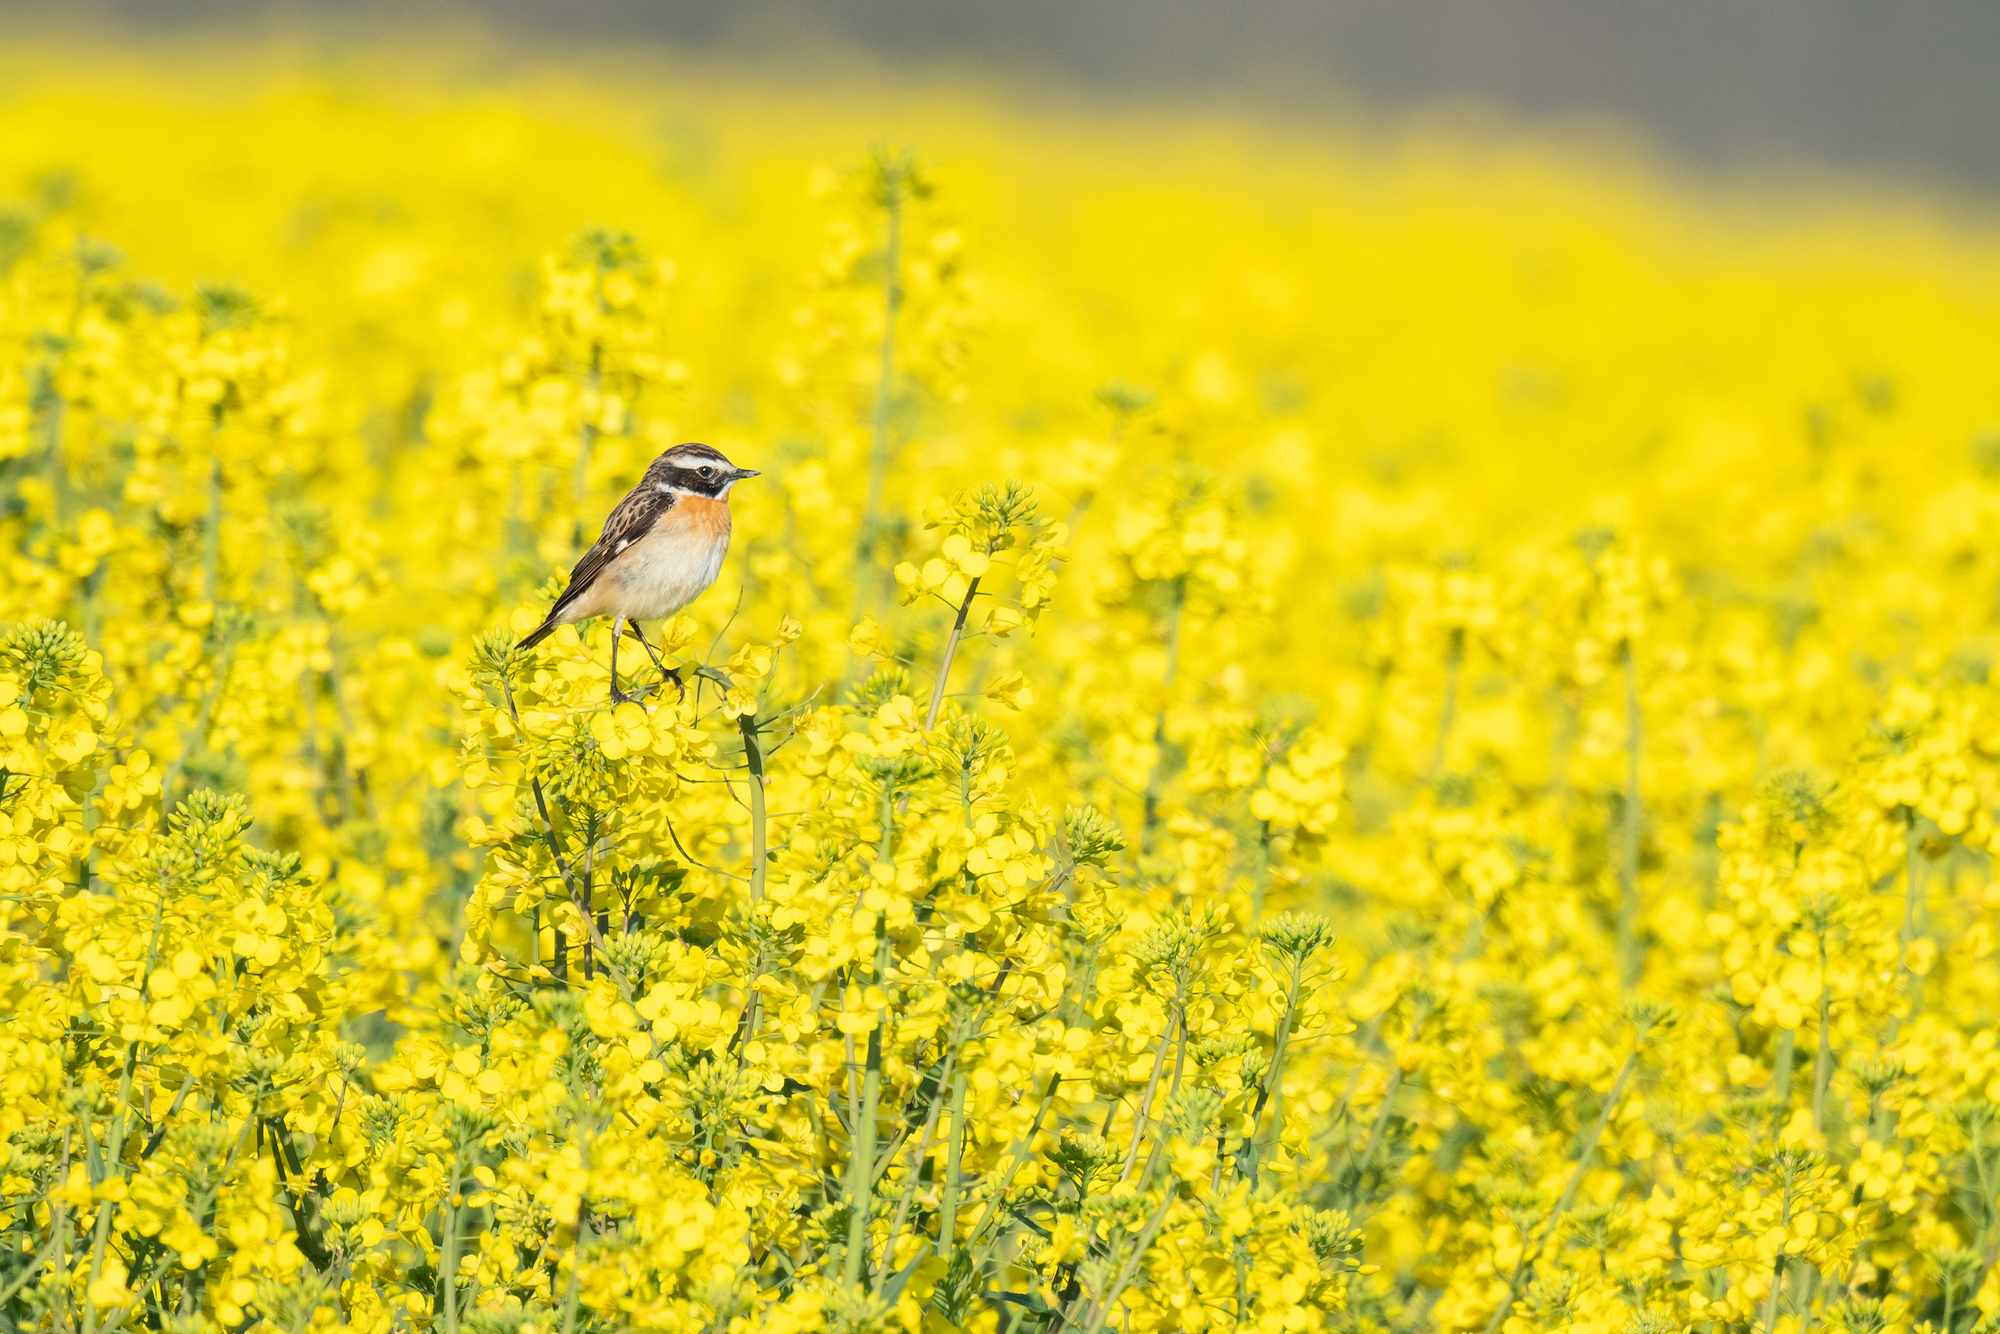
(674, 674)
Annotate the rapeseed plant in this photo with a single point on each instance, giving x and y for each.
(1247, 876)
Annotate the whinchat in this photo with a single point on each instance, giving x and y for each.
(661, 548)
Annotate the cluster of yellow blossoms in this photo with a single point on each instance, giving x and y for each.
(1344, 843)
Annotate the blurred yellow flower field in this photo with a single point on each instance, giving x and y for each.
(1376, 733)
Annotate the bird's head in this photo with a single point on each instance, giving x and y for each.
(696, 470)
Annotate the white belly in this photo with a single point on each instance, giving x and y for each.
(656, 577)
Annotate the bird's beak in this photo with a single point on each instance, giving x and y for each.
(741, 473)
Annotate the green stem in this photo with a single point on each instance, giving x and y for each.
(517, 522)
(1365, 1046)
(197, 732)
(861, 1158)
(352, 777)
(1375, 1130)
(1781, 1075)
(57, 1231)
(948, 1224)
(58, 472)
(1152, 1087)
(542, 808)
(895, 182)
(448, 1261)
(753, 756)
(1913, 898)
(1262, 873)
(1023, 1148)
(1102, 1311)
(579, 891)
(1157, 778)
(570, 1292)
(1421, 1013)
(1823, 1055)
(1778, 1261)
(917, 1162)
(100, 1235)
(1528, 1254)
(1247, 1162)
(950, 652)
(1454, 663)
(1986, 1243)
(587, 437)
(211, 558)
(1631, 957)
(88, 610)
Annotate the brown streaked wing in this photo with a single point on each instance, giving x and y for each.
(631, 519)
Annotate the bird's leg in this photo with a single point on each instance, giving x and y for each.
(617, 695)
(666, 673)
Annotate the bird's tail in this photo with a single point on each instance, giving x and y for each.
(538, 634)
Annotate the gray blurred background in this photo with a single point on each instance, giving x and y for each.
(1907, 89)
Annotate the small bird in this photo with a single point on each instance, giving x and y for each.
(661, 548)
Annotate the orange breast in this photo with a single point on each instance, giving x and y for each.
(697, 517)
